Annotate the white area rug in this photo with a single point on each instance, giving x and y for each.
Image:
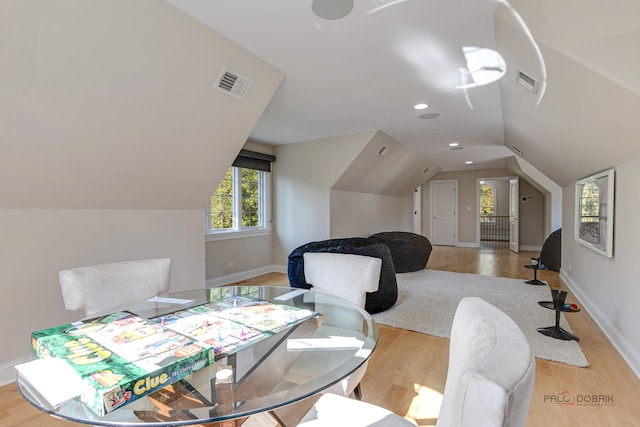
(427, 301)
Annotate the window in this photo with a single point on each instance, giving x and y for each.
(487, 202)
(239, 204)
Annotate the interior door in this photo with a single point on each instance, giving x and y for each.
(443, 212)
(514, 214)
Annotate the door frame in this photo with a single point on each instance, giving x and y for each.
(514, 214)
(417, 210)
(478, 180)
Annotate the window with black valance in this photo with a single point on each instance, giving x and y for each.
(254, 160)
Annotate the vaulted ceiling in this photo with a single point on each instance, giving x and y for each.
(110, 104)
(368, 69)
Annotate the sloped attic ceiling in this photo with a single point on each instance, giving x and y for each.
(110, 105)
(384, 166)
(367, 70)
(587, 120)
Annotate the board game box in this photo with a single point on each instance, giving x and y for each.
(121, 357)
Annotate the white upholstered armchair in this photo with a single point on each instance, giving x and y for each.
(489, 380)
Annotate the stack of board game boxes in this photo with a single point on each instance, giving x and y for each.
(122, 357)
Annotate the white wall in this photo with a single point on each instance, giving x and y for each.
(303, 176)
(36, 244)
(608, 287)
(532, 231)
(111, 105)
(363, 214)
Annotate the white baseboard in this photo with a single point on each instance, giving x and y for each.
(8, 372)
(244, 275)
(628, 352)
(530, 248)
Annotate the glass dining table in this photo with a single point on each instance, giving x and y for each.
(288, 366)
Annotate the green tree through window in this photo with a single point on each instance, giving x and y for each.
(250, 198)
(487, 202)
(222, 203)
(590, 203)
(239, 201)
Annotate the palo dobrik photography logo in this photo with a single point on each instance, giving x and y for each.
(563, 398)
(572, 399)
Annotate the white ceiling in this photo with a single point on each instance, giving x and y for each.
(367, 70)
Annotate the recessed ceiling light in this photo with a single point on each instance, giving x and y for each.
(454, 144)
(468, 162)
(421, 106)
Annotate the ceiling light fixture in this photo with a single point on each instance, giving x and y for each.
(468, 162)
(454, 144)
(421, 106)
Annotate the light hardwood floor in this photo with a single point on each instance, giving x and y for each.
(407, 371)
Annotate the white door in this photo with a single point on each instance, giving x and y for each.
(514, 214)
(444, 212)
(417, 210)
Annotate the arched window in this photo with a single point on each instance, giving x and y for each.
(487, 202)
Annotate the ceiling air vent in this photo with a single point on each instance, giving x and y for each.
(232, 83)
(526, 81)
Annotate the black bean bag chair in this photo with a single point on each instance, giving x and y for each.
(386, 295)
(410, 251)
(551, 253)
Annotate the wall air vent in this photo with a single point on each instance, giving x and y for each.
(526, 81)
(516, 150)
(233, 83)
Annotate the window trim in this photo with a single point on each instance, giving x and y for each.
(236, 232)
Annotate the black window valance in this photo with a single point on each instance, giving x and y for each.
(254, 160)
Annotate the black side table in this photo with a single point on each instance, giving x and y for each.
(535, 280)
(556, 331)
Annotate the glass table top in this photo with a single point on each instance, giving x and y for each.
(283, 368)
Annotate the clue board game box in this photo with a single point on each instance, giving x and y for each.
(121, 357)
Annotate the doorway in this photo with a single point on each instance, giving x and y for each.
(494, 224)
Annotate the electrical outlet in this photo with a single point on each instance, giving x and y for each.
(229, 265)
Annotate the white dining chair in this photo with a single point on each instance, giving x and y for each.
(333, 410)
(350, 277)
(489, 380)
(98, 287)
